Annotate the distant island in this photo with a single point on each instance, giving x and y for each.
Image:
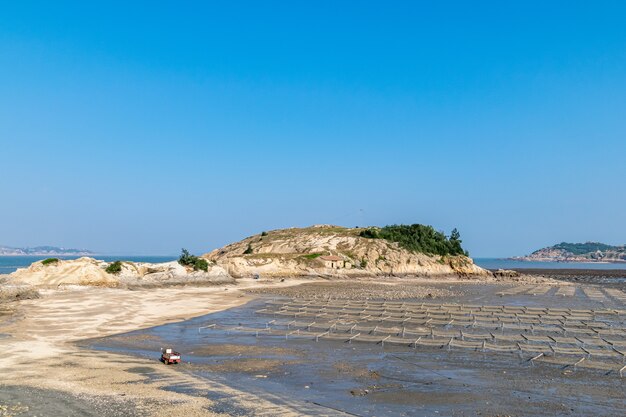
(577, 252)
(43, 251)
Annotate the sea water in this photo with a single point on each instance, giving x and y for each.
(495, 263)
(10, 264)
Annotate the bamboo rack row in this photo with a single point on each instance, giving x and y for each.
(449, 315)
(581, 327)
(592, 293)
(611, 360)
(448, 308)
(350, 327)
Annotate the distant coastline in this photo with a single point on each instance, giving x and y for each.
(44, 251)
(588, 252)
(72, 254)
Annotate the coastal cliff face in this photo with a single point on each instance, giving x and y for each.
(578, 252)
(332, 251)
(89, 271)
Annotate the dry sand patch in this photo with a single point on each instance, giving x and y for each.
(41, 351)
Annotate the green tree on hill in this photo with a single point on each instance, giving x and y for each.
(419, 238)
(187, 259)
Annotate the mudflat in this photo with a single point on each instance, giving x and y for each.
(94, 351)
(611, 277)
(39, 353)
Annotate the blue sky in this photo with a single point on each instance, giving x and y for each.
(145, 127)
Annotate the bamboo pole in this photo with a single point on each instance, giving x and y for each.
(353, 337)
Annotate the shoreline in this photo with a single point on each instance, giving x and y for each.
(41, 339)
(569, 261)
(41, 351)
(604, 277)
(287, 375)
(569, 271)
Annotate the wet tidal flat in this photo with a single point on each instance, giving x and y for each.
(295, 363)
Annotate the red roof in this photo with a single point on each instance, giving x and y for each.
(332, 258)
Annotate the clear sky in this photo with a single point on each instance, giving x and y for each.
(144, 127)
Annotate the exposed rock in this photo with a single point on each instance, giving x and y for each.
(89, 271)
(332, 251)
(506, 273)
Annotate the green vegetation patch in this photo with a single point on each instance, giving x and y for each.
(312, 255)
(201, 265)
(115, 268)
(584, 248)
(419, 238)
(198, 264)
(50, 261)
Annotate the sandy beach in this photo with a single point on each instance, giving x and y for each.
(52, 367)
(42, 360)
(39, 351)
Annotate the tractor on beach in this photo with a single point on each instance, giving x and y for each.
(169, 356)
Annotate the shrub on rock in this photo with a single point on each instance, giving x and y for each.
(198, 264)
(114, 268)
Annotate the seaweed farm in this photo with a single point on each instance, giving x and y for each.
(479, 350)
(570, 337)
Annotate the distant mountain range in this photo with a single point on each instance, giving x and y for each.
(43, 251)
(578, 252)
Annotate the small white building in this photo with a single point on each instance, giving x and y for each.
(332, 261)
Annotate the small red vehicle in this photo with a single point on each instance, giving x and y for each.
(169, 356)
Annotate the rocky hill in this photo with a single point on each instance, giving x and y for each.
(578, 252)
(332, 251)
(43, 251)
(318, 251)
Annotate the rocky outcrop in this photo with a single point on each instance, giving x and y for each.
(332, 251)
(92, 272)
(506, 273)
(577, 252)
